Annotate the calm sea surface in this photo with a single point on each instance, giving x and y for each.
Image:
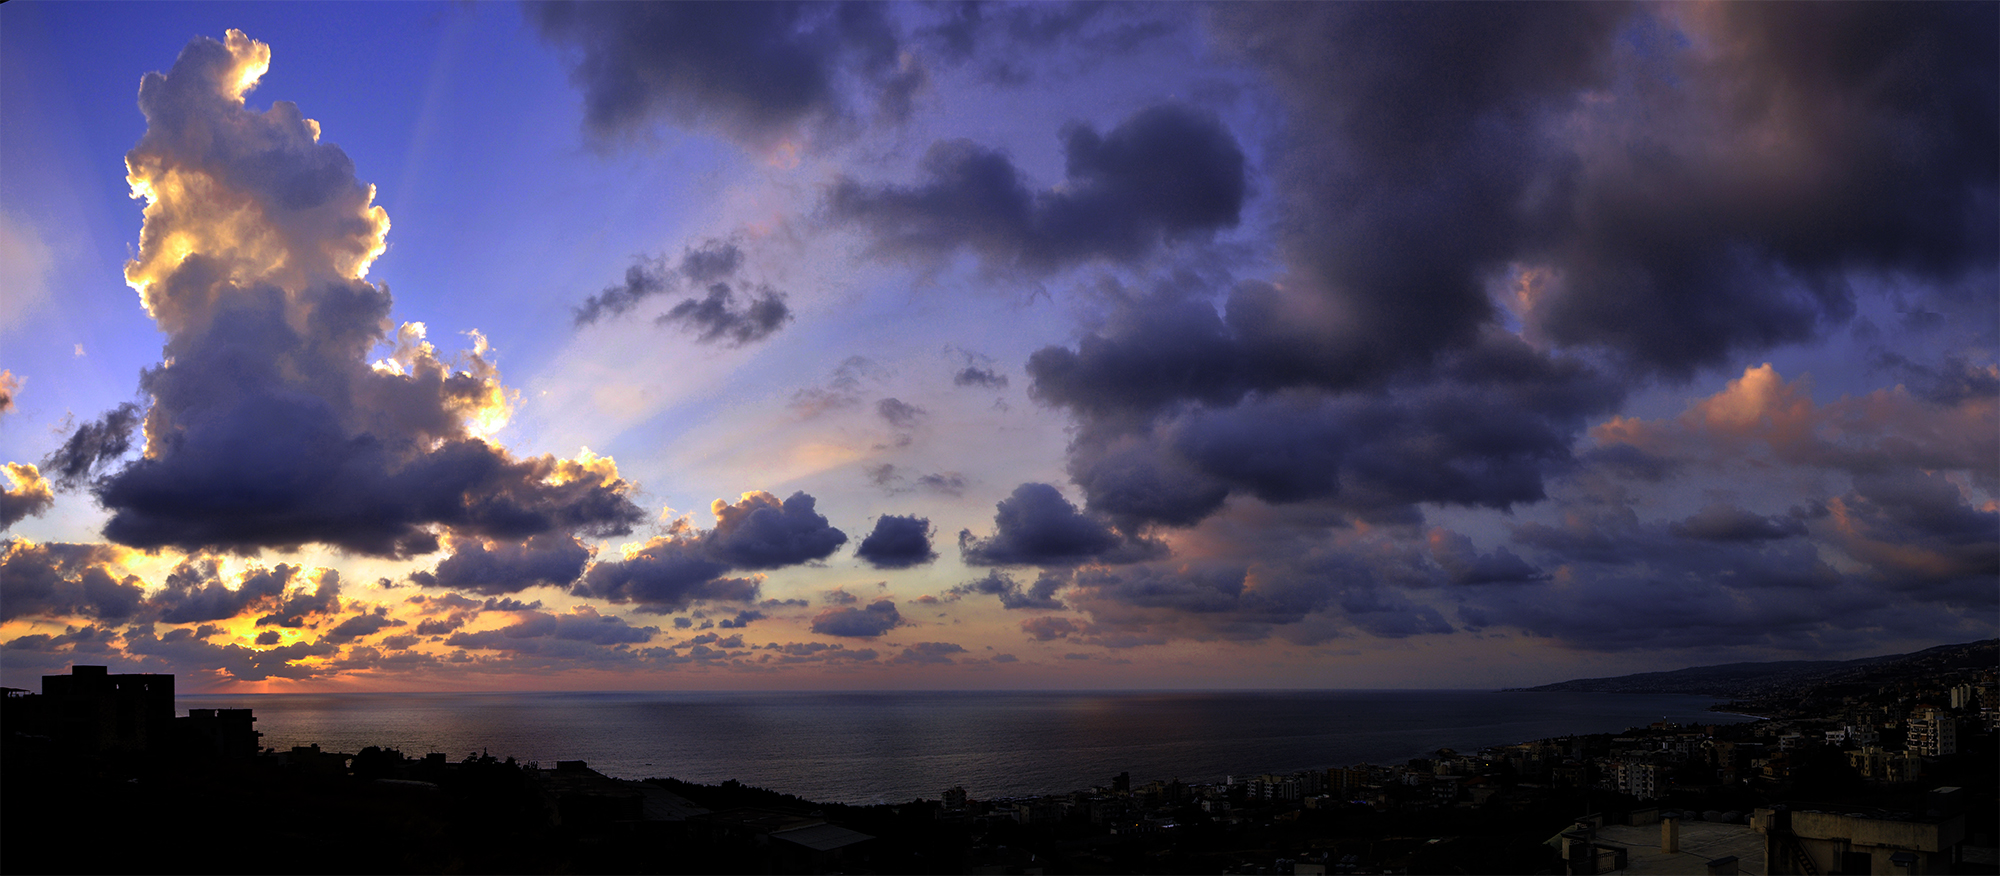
(874, 747)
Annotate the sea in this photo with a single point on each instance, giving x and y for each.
(865, 747)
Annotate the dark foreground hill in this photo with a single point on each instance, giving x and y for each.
(1755, 680)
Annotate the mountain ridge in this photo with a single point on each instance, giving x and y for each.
(1752, 680)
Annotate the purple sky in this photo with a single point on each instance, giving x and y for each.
(465, 346)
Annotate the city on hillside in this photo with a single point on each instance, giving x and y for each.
(1895, 778)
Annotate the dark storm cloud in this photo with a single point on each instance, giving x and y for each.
(92, 447)
(1042, 594)
(26, 494)
(1036, 526)
(716, 316)
(1375, 375)
(1166, 173)
(552, 559)
(270, 425)
(1950, 382)
(1463, 564)
(1782, 146)
(58, 579)
(756, 72)
(1919, 535)
(1721, 522)
(897, 543)
(1482, 427)
(866, 622)
(759, 532)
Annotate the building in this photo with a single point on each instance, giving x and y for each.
(95, 712)
(1933, 732)
(1650, 843)
(223, 733)
(1816, 842)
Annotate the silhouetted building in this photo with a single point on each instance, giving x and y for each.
(93, 711)
(222, 733)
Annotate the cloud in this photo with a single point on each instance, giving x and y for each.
(1037, 526)
(582, 624)
(866, 622)
(1482, 426)
(359, 626)
(195, 590)
(269, 426)
(758, 73)
(897, 543)
(293, 609)
(1720, 522)
(891, 480)
(843, 390)
(741, 620)
(1050, 627)
(92, 446)
(27, 494)
(985, 378)
(1167, 173)
(1677, 185)
(928, 653)
(500, 567)
(665, 575)
(759, 532)
(10, 388)
(898, 413)
(179, 651)
(997, 583)
(56, 579)
(1463, 564)
(713, 261)
(715, 316)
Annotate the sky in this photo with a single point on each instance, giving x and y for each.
(414, 346)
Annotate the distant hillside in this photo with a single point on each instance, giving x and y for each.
(1750, 680)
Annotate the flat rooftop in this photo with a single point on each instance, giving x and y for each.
(1701, 842)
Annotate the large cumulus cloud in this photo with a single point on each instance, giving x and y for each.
(687, 565)
(1037, 526)
(897, 543)
(270, 426)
